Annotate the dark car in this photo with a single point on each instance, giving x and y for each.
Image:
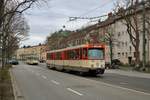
(116, 62)
(41, 61)
(13, 62)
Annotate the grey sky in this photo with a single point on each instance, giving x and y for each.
(51, 17)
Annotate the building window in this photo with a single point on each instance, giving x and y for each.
(122, 44)
(119, 44)
(126, 54)
(74, 43)
(119, 34)
(126, 44)
(122, 53)
(130, 48)
(83, 41)
(80, 42)
(118, 54)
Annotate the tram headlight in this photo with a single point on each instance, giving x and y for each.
(92, 65)
(97, 64)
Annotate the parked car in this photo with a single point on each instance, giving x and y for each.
(41, 61)
(115, 64)
(13, 62)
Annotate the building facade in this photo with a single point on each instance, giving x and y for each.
(114, 31)
(37, 52)
(115, 27)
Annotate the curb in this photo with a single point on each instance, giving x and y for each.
(17, 93)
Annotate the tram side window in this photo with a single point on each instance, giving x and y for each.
(65, 55)
(84, 53)
(73, 54)
(51, 56)
(48, 56)
(58, 56)
(54, 56)
(77, 54)
(68, 55)
(80, 53)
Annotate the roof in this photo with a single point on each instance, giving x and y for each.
(78, 46)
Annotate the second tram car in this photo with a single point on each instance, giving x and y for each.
(83, 58)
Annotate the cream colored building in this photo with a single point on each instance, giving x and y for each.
(37, 52)
(123, 48)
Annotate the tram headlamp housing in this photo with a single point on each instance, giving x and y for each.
(97, 64)
(92, 66)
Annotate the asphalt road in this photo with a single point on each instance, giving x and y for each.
(39, 83)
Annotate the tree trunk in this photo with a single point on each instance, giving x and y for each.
(1, 21)
(137, 55)
(1, 11)
(3, 54)
(111, 51)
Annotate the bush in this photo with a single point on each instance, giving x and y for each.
(4, 74)
(6, 91)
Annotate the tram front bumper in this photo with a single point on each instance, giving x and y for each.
(97, 71)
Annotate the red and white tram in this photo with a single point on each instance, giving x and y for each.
(83, 58)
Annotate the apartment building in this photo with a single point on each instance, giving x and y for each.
(37, 52)
(122, 44)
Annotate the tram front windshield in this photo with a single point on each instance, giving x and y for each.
(95, 53)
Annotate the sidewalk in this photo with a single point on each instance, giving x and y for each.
(17, 93)
(128, 73)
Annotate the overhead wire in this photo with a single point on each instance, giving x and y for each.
(90, 11)
(94, 9)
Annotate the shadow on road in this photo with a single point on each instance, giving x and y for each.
(86, 75)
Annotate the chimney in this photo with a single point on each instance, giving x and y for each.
(110, 14)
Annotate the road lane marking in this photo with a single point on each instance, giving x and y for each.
(123, 88)
(55, 82)
(76, 92)
(44, 77)
(119, 87)
(123, 83)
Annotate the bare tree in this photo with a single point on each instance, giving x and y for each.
(12, 24)
(131, 19)
(147, 29)
(17, 31)
(13, 32)
(11, 7)
(109, 39)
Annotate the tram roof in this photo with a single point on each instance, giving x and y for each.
(79, 46)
